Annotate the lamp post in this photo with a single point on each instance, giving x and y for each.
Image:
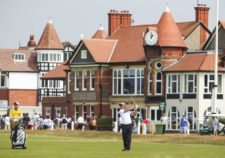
(162, 107)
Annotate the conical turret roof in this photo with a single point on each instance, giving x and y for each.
(100, 33)
(168, 31)
(49, 38)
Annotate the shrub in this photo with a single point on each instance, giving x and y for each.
(222, 120)
(104, 124)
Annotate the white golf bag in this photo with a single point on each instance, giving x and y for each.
(18, 137)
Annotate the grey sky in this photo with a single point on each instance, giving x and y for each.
(20, 18)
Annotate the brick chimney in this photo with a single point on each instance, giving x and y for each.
(202, 15)
(117, 19)
(31, 42)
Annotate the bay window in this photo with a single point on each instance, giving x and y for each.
(84, 80)
(128, 81)
(77, 80)
(92, 79)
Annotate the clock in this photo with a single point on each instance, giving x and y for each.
(151, 38)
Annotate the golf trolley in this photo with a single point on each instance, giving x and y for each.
(18, 136)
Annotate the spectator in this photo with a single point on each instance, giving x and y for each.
(184, 125)
(35, 119)
(164, 120)
(80, 122)
(215, 124)
(93, 124)
(64, 122)
(7, 122)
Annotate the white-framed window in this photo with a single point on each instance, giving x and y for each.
(76, 112)
(158, 83)
(209, 83)
(3, 80)
(44, 57)
(47, 112)
(128, 81)
(173, 83)
(68, 83)
(77, 80)
(19, 57)
(83, 54)
(84, 111)
(150, 80)
(190, 83)
(57, 112)
(92, 79)
(84, 80)
(92, 111)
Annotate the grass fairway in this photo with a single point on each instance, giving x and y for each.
(61, 144)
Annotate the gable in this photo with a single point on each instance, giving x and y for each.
(77, 60)
(210, 45)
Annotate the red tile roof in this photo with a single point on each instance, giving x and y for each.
(168, 32)
(195, 62)
(49, 38)
(101, 50)
(7, 62)
(57, 73)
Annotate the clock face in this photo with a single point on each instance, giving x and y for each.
(151, 38)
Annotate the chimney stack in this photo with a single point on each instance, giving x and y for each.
(31, 42)
(117, 19)
(202, 14)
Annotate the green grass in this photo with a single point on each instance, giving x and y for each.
(61, 144)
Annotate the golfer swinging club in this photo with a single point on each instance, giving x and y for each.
(125, 115)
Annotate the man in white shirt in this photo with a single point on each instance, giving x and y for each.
(125, 115)
(80, 122)
(7, 122)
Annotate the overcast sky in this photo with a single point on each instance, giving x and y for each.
(20, 18)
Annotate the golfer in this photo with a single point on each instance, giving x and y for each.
(125, 115)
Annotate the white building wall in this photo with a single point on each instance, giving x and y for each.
(23, 80)
(199, 104)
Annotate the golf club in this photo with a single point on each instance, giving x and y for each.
(136, 105)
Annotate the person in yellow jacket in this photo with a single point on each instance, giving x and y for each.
(15, 115)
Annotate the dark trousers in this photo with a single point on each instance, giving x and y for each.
(164, 129)
(126, 132)
(80, 126)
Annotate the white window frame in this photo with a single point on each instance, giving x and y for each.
(83, 54)
(48, 112)
(84, 113)
(187, 81)
(170, 82)
(20, 57)
(68, 83)
(92, 113)
(212, 81)
(92, 77)
(150, 83)
(76, 113)
(76, 80)
(84, 80)
(158, 81)
(6, 80)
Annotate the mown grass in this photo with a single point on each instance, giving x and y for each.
(74, 144)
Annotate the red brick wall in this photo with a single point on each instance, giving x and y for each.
(24, 97)
(4, 94)
(173, 52)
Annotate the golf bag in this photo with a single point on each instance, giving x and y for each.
(18, 137)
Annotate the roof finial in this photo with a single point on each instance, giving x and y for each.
(101, 27)
(167, 8)
(50, 20)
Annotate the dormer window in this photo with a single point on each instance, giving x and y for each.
(19, 57)
(83, 54)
